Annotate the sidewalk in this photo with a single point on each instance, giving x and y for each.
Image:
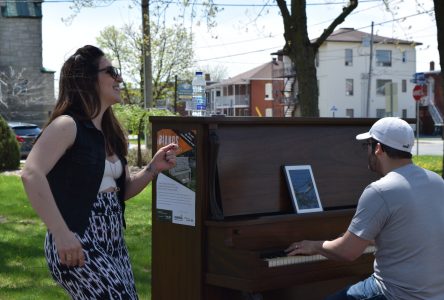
(428, 146)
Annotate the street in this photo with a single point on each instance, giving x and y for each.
(428, 146)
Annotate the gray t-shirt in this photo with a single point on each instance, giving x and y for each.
(404, 213)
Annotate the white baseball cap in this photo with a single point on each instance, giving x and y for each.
(391, 131)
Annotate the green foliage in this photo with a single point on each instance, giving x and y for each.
(23, 269)
(9, 148)
(133, 158)
(135, 118)
(171, 55)
(430, 162)
(136, 121)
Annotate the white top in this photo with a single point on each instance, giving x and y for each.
(113, 170)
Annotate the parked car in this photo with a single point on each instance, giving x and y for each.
(25, 133)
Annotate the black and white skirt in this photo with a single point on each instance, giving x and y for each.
(107, 271)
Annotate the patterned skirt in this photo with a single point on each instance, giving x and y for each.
(107, 271)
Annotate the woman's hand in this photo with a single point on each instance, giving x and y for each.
(164, 159)
(69, 249)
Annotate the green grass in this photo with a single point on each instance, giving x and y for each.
(431, 162)
(23, 271)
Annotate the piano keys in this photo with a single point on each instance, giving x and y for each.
(243, 207)
(279, 258)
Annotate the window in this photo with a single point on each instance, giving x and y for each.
(22, 9)
(349, 112)
(217, 93)
(404, 85)
(380, 86)
(384, 58)
(230, 90)
(268, 91)
(349, 87)
(268, 112)
(404, 113)
(349, 57)
(380, 113)
(404, 56)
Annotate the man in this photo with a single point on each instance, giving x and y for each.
(402, 213)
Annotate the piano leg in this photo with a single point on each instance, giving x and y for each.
(252, 296)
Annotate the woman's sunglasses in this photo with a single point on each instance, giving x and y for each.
(112, 71)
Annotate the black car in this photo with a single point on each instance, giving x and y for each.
(25, 134)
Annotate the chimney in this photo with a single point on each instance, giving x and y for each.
(432, 66)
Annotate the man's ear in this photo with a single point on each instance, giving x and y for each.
(378, 149)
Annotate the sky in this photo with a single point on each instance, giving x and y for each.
(246, 33)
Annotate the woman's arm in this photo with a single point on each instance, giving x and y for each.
(49, 148)
(164, 159)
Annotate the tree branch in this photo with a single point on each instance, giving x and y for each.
(345, 12)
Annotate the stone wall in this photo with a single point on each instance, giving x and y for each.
(21, 51)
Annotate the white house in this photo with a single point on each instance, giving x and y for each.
(344, 75)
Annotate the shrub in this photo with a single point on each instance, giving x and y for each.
(9, 148)
(132, 156)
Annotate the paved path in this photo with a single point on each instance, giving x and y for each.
(428, 146)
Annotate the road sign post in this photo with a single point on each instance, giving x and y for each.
(418, 94)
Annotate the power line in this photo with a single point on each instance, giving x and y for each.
(384, 22)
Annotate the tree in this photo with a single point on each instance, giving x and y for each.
(217, 72)
(135, 119)
(439, 16)
(171, 54)
(208, 8)
(298, 46)
(302, 51)
(17, 92)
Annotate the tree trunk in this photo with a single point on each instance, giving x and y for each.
(308, 92)
(302, 51)
(439, 16)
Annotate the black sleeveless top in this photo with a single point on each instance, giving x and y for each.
(75, 179)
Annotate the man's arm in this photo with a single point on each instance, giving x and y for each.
(347, 247)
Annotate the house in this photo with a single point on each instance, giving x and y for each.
(431, 106)
(26, 88)
(251, 93)
(354, 84)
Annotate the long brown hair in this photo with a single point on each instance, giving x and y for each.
(79, 97)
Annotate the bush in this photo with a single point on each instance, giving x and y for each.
(132, 157)
(9, 148)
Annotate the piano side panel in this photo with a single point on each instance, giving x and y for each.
(251, 156)
(177, 250)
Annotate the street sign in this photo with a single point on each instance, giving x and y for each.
(418, 92)
(418, 78)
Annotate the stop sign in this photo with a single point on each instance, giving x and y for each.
(418, 92)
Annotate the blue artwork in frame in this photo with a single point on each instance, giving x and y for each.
(302, 187)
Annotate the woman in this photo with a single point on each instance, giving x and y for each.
(77, 180)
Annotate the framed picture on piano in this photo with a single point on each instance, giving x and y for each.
(302, 188)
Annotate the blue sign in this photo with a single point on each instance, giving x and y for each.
(419, 78)
(184, 89)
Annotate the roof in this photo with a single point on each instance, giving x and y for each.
(352, 35)
(262, 72)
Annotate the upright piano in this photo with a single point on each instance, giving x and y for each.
(236, 208)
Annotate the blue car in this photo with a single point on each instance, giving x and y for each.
(25, 134)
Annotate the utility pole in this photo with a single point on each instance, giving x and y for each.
(146, 53)
(369, 74)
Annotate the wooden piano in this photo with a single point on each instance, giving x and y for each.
(242, 207)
